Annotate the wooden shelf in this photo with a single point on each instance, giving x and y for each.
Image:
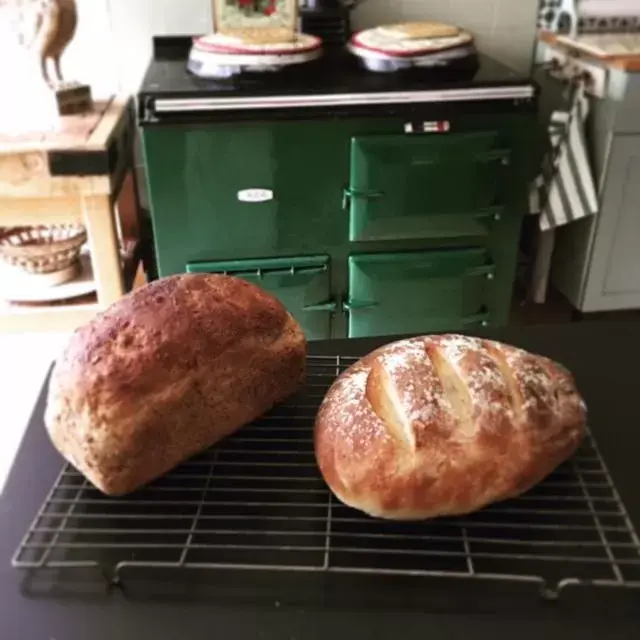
(80, 173)
(629, 63)
(38, 166)
(64, 315)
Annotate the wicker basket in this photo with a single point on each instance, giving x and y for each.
(42, 249)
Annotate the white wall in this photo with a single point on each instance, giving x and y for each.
(134, 22)
(113, 45)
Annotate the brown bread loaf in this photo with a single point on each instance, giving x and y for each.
(168, 371)
(445, 425)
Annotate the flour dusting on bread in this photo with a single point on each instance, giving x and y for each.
(444, 425)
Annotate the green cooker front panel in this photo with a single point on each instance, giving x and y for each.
(378, 207)
(199, 177)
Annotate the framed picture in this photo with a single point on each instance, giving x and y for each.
(238, 15)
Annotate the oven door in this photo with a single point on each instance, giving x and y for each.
(409, 186)
(302, 284)
(418, 292)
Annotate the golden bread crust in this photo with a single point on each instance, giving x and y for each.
(168, 371)
(445, 425)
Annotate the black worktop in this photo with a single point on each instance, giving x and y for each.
(337, 72)
(604, 358)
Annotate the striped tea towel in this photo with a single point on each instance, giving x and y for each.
(565, 191)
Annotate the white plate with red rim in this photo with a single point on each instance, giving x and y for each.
(212, 60)
(227, 64)
(382, 63)
(423, 59)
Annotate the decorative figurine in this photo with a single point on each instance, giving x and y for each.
(44, 28)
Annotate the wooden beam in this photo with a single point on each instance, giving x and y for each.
(105, 253)
(110, 125)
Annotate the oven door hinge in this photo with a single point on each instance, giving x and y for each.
(348, 194)
(331, 306)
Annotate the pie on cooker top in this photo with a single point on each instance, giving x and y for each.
(379, 40)
(221, 43)
(258, 36)
(419, 30)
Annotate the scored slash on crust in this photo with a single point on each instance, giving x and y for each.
(445, 425)
(385, 400)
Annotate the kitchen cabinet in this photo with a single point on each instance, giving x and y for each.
(601, 269)
(596, 264)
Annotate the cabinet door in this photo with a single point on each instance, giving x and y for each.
(614, 273)
(425, 186)
(608, 243)
(418, 292)
(301, 284)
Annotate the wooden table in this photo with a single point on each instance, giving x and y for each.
(80, 173)
(629, 63)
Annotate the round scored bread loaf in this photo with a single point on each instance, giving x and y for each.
(445, 425)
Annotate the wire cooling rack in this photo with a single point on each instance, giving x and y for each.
(257, 501)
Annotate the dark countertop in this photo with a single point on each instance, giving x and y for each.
(603, 357)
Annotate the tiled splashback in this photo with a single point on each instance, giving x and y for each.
(113, 46)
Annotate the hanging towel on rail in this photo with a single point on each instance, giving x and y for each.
(565, 191)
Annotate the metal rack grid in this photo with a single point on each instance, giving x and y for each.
(257, 501)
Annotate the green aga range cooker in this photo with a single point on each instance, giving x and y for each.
(369, 204)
